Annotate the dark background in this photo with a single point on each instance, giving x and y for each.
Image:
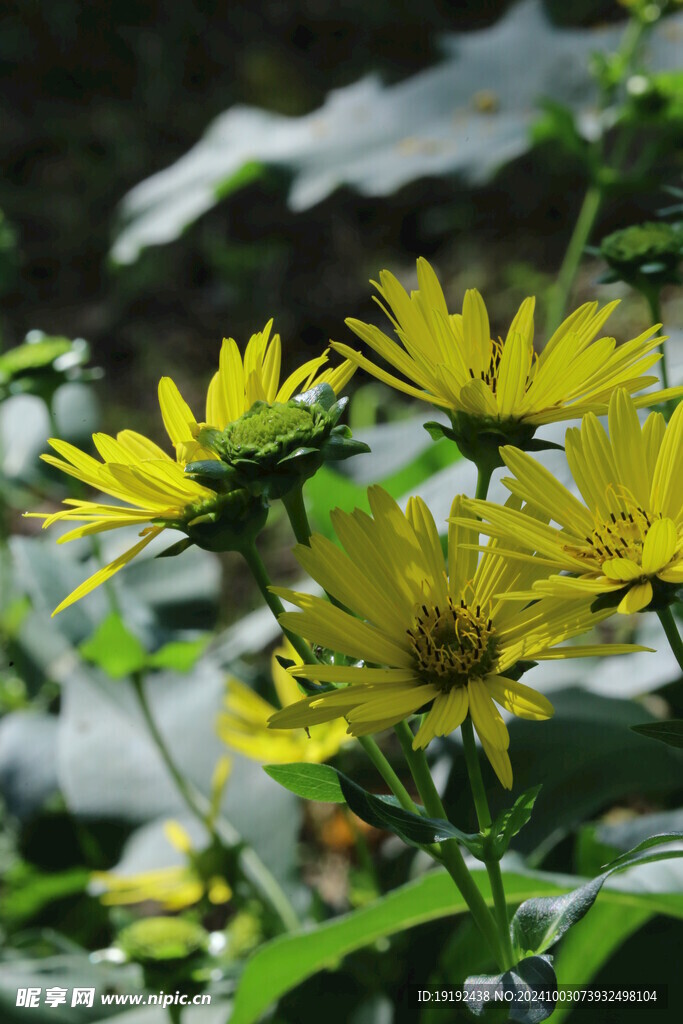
(95, 97)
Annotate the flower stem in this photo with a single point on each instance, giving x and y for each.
(221, 832)
(260, 574)
(653, 296)
(296, 512)
(666, 617)
(559, 295)
(388, 774)
(484, 472)
(451, 856)
(481, 805)
(182, 785)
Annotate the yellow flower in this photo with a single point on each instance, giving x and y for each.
(424, 637)
(244, 723)
(174, 888)
(135, 470)
(237, 384)
(451, 361)
(628, 536)
(155, 487)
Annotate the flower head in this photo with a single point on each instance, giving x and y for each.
(244, 723)
(173, 888)
(275, 446)
(238, 384)
(625, 539)
(498, 391)
(158, 496)
(644, 254)
(425, 639)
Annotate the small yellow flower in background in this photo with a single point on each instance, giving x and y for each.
(244, 724)
(628, 536)
(237, 384)
(174, 888)
(425, 637)
(451, 361)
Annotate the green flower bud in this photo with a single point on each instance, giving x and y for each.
(161, 939)
(646, 253)
(276, 446)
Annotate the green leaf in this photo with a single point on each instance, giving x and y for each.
(586, 948)
(670, 732)
(539, 923)
(625, 859)
(532, 975)
(282, 964)
(510, 822)
(322, 782)
(179, 655)
(385, 812)
(309, 781)
(114, 649)
(27, 891)
(37, 356)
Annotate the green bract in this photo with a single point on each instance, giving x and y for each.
(228, 522)
(275, 446)
(479, 438)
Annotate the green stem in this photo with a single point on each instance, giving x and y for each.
(260, 574)
(451, 856)
(221, 832)
(175, 1014)
(296, 511)
(481, 805)
(585, 221)
(484, 473)
(666, 617)
(388, 774)
(653, 297)
(182, 785)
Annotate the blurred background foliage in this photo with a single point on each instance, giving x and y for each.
(99, 98)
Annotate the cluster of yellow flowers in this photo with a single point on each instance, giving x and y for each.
(415, 631)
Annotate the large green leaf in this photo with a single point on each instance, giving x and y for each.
(586, 757)
(468, 116)
(284, 963)
(669, 732)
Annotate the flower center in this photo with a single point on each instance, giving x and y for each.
(621, 535)
(452, 644)
(267, 424)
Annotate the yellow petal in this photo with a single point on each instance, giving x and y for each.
(636, 598)
(106, 573)
(500, 762)
(519, 699)
(659, 546)
(622, 569)
(485, 716)
(175, 412)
